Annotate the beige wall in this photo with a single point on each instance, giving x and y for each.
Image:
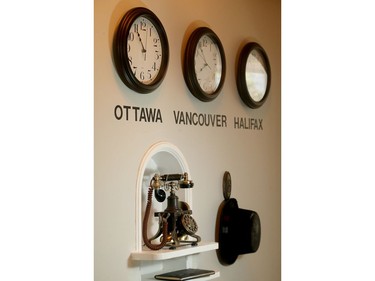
(252, 157)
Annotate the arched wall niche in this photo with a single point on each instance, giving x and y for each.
(161, 158)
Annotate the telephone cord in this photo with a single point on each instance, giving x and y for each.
(145, 221)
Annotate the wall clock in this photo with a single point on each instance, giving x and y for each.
(204, 64)
(253, 75)
(141, 50)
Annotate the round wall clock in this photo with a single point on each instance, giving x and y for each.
(253, 75)
(141, 50)
(204, 64)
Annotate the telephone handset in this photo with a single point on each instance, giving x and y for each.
(175, 222)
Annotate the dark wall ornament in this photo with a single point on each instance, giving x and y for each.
(238, 231)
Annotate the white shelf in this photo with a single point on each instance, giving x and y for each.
(165, 254)
(150, 277)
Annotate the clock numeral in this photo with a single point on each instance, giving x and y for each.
(136, 28)
(143, 25)
(149, 75)
(130, 60)
(143, 75)
(204, 42)
(131, 36)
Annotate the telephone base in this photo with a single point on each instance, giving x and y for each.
(173, 246)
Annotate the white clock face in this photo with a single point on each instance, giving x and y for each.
(208, 64)
(256, 76)
(144, 50)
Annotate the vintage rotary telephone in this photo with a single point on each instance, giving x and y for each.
(176, 222)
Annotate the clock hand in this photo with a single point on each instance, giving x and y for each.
(202, 54)
(204, 59)
(146, 44)
(205, 64)
(140, 40)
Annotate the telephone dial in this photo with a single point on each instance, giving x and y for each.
(175, 223)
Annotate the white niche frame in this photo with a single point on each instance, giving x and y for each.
(162, 158)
